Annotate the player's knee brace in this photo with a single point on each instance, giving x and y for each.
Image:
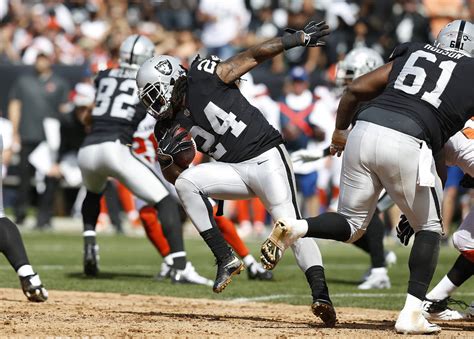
(464, 243)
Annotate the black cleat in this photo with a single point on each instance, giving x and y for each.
(32, 289)
(91, 258)
(225, 270)
(323, 309)
(256, 272)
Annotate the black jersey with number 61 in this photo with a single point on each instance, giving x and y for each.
(117, 110)
(225, 125)
(433, 87)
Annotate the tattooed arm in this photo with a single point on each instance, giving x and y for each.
(233, 68)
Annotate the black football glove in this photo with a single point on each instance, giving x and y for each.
(312, 33)
(467, 181)
(170, 145)
(404, 230)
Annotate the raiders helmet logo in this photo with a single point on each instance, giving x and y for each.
(164, 67)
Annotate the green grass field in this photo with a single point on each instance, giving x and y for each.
(128, 265)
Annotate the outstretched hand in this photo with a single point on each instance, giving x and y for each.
(312, 33)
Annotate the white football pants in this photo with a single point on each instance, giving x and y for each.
(268, 176)
(113, 159)
(377, 157)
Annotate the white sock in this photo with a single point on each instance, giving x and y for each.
(378, 270)
(248, 260)
(412, 303)
(88, 234)
(300, 227)
(443, 290)
(25, 271)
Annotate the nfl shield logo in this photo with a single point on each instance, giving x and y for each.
(164, 67)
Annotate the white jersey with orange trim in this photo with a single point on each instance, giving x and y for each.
(144, 141)
(459, 149)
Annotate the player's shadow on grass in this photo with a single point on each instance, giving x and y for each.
(109, 276)
(268, 322)
(262, 322)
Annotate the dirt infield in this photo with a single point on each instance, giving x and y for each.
(113, 315)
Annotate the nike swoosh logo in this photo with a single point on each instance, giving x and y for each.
(261, 162)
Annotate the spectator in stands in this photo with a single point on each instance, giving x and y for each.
(223, 23)
(299, 133)
(33, 98)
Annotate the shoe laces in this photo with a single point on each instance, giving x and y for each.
(459, 303)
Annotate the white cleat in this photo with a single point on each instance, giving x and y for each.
(439, 310)
(165, 271)
(377, 279)
(413, 322)
(189, 276)
(281, 237)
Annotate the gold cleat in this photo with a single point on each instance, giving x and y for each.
(273, 248)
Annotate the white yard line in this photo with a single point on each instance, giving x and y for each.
(334, 295)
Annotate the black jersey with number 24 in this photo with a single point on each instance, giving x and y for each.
(117, 110)
(433, 87)
(224, 124)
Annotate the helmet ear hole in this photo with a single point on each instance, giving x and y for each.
(172, 82)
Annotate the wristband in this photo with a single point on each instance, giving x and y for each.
(291, 40)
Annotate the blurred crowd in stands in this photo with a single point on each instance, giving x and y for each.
(88, 33)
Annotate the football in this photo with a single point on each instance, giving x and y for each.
(184, 158)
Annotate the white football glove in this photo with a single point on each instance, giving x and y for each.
(305, 155)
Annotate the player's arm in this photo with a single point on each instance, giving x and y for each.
(171, 173)
(364, 88)
(233, 68)
(14, 115)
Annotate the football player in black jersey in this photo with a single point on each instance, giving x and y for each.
(251, 159)
(415, 103)
(106, 152)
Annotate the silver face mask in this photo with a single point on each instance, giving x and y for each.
(155, 81)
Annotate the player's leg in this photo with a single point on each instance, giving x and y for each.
(399, 172)
(90, 163)
(271, 178)
(372, 243)
(436, 304)
(194, 186)
(229, 232)
(359, 190)
(11, 245)
(142, 181)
